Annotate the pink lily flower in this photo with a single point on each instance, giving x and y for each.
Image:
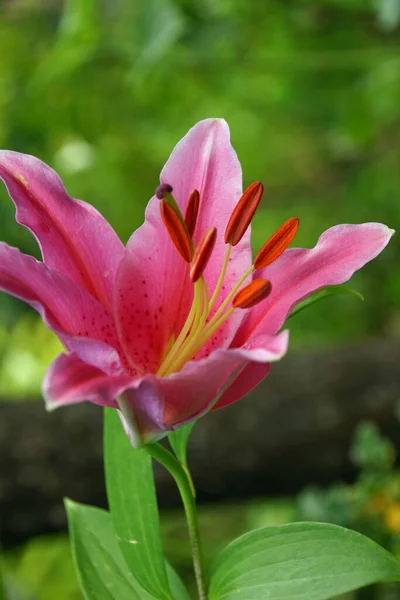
(181, 321)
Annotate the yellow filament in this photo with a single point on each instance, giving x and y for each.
(220, 279)
(188, 349)
(199, 338)
(168, 347)
(194, 310)
(229, 297)
(208, 332)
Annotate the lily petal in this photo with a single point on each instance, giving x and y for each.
(153, 406)
(71, 312)
(70, 380)
(248, 378)
(296, 274)
(153, 289)
(74, 238)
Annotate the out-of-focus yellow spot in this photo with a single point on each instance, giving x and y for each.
(379, 504)
(392, 517)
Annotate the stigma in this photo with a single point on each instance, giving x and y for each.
(201, 322)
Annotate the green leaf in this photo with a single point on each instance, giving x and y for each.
(102, 571)
(133, 505)
(179, 592)
(179, 440)
(306, 561)
(331, 290)
(2, 588)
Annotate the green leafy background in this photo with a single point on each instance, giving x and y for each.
(103, 90)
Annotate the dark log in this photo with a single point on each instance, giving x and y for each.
(294, 429)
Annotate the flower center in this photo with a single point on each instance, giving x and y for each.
(200, 326)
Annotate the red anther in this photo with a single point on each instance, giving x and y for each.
(177, 231)
(192, 211)
(277, 243)
(202, 254)
(243, 213)
(252, 294)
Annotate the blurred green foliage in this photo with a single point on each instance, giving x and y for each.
(41, 570)
(370, 505)
(25, 351)
(102, 90)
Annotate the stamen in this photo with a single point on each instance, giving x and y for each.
(229, 297)
(202, 254)
(177, 231)
(243, 213)
(277, 243)
(192, 210)
(200, 326)
(252, 294)
(162, 190)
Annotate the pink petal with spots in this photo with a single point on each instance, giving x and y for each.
(95, 353)
(71, 312)
(157, 405)
(154, 292)
(296, 274)
(69, 380)
(74, 238)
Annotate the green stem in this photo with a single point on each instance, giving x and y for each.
(185, 486)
